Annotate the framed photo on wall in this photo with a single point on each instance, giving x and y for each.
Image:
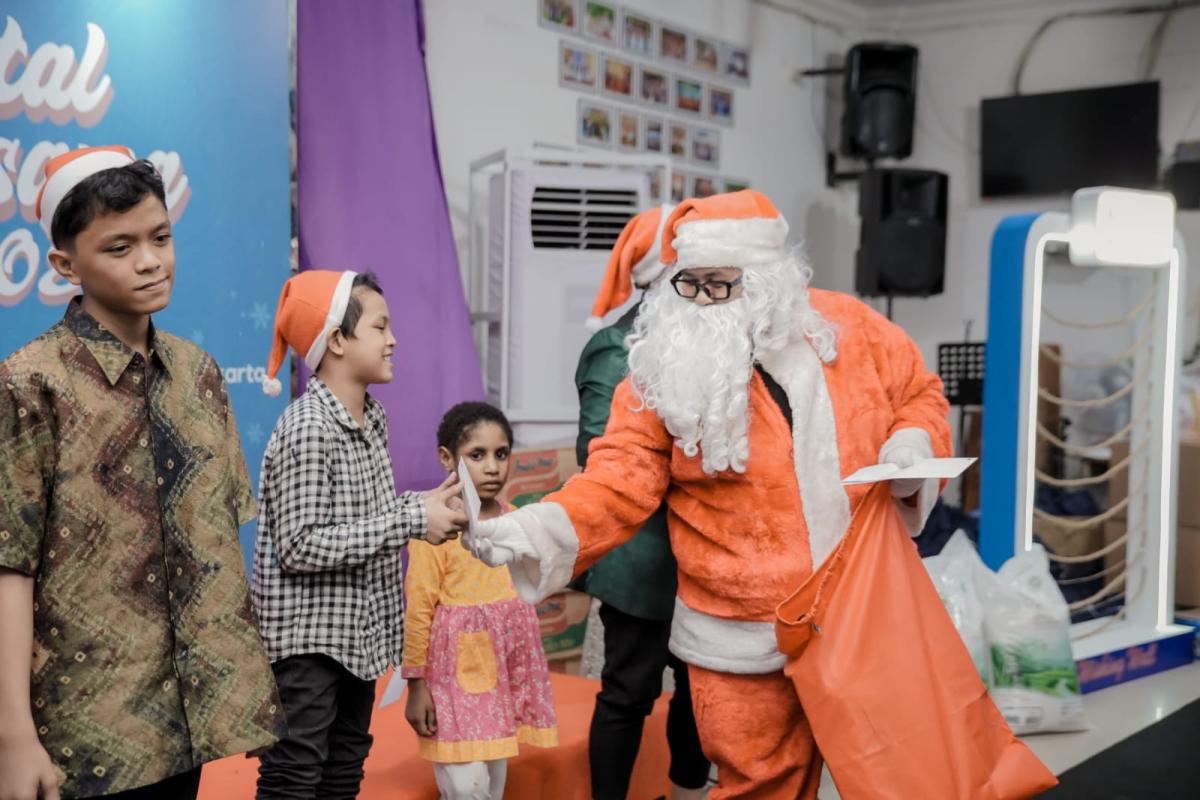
(680, 186)
(656, 188)
(654, 87)
(720, 105)
(705, 54)
(637, 33)
(678, 139)
(594, 124)
(559, 15)
(616, 76)
(629, 131)
(735, 184)
(736, 64)
(689, 95)
(672, 43)
(706, 147)
(577, 67)
(703, 185)
(654, 134)
(600, 21)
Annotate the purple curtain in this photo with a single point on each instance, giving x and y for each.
(370, 197)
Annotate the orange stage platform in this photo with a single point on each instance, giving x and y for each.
(396, 772)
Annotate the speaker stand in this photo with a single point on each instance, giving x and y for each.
(833, 177)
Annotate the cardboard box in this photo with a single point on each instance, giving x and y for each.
(1069, 541)
(562, 618)
(535, 473)
(1188, 503)
(1187, 559)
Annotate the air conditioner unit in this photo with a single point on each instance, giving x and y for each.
(543, 221)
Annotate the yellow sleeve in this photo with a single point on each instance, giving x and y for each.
(422, 589)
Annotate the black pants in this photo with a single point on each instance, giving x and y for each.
(184, 786)
(635, 654)
(328, 717)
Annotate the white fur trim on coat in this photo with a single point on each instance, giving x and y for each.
(724, 645)
(729, 242)
(814, 445)
(914, 517)
(553, 538)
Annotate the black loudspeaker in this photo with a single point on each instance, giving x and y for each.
(1183, 181)
(902, 242)
(880, 96)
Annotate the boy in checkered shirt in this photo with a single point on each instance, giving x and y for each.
(327, 574)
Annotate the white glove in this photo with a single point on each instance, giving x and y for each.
(498, 541)
(899, 451)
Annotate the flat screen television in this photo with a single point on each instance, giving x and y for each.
(1039, 144)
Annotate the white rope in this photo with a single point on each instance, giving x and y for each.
(1079, 523)
(1047, 351)
(1106, 590)
(1098, 402)
(1076, 449)
(1084, 579)
(1094, 479)
(1112, 323)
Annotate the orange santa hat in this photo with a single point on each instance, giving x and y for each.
(736, 229)
(311, 305)
(65, 172)
(634, 262)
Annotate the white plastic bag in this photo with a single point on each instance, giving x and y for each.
(954, 572)
(1027, 625)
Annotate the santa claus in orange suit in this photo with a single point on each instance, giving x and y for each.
(749, 398)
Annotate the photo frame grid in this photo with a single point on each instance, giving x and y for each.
(732, 60)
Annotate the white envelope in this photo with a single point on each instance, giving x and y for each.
(941, 468)
(470, 497)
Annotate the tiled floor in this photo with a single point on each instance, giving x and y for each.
(1114, 713)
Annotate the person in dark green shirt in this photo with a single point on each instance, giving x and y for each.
(636, 583)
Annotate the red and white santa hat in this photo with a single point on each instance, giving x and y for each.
(634, 262)
(724, 230)
(311, 305)
(65, 172)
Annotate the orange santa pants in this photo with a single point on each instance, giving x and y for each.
(753, 728)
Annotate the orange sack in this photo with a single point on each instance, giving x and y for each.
(895, 703)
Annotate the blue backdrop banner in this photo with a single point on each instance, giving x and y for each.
(199, 87)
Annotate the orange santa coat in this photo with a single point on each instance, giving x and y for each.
(744, 542)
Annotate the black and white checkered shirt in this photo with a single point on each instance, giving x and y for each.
(327, 575)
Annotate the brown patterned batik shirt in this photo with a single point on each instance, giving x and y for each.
(122, 485)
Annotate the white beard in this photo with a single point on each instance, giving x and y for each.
(692, 364)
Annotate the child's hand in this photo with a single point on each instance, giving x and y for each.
(419, 710)
(25, 770)
(444, 514)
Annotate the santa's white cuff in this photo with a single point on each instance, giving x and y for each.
(552, 537)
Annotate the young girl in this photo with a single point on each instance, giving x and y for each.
(478, 680)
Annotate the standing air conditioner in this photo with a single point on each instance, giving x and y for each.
(543, 221)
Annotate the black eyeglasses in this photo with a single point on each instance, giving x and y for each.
(716, 290)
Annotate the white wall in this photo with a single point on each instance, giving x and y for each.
(968, 56)
(493, 82)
